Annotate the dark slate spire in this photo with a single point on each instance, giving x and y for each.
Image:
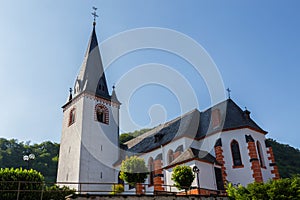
(91, 77)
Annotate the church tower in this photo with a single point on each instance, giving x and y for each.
(90, 130)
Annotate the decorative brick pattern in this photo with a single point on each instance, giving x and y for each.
(220, 159)
(90, 96)
(202, 191)
(271, 158)
(255, 166)
(104, 109)
(158, 175)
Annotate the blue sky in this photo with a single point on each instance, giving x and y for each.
(254, 44)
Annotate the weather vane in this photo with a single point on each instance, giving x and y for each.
(228, 90)
(95, 14)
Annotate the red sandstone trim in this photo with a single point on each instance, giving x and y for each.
(106, 113)
(237, 166)
(271, 158)
(91, 96)
(158, 181)
(220, 159)
(255, 166)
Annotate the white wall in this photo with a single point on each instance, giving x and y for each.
(242, 175)
(69, 154)
(93, 145)
(206, 176)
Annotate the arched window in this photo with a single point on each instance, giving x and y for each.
(260, 154)
(101, 114)
(72, 117)
(236, 155)
(151, 170)
(177, 152)
(170, 156)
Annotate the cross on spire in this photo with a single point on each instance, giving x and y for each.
(228, 91)
(95, 15)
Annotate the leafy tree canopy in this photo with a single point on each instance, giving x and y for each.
(133, 170)
(124, 137)
(287, 158)
(9, 178)
(30, 183)
(287, 188)
(183, 177)
(46, 156)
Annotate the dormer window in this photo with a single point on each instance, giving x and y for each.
(101, 114)
(216, 118)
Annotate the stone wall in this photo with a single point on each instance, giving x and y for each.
(143, 197)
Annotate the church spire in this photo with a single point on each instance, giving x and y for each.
(91, 77)
(114, 96)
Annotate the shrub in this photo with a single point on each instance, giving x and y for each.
(133, 170)
(57, 193)
(30, 181)
(117, 189)
(287, 188)
(183, 177)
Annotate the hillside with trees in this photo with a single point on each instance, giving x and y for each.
(46, 156)
(287, 158)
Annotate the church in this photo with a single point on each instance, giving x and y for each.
(222, 144)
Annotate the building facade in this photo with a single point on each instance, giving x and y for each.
(223, 142)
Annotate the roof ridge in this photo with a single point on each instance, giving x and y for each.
(157, 129)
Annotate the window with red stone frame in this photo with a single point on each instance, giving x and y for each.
(101, 113)
(72, 117)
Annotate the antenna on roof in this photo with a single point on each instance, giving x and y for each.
(95, 15)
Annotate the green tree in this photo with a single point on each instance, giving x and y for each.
(133, 170)
(125, 137)
(287, 158)
(46, 156)
(183, 177)
(287, 188)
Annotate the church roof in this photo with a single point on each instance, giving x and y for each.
(91, 77)
(181, 126)
(192, 153)
(196, 124)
